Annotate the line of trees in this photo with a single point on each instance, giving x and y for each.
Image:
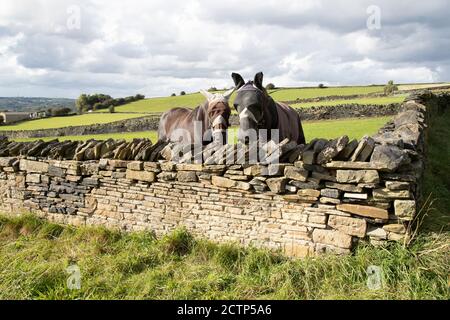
(87, 102)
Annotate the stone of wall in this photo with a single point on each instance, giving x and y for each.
(333, 194)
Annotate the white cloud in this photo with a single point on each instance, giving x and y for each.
(164, 46)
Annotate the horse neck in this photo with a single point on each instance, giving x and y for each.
(270, 113)
(202, 115)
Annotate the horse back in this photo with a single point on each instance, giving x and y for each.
(289, 123)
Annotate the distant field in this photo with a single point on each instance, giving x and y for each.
(60, 122)
(413, 86)
(377, 101)
(354, 128)
(194, 99)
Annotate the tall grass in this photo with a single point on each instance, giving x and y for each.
(34, 256)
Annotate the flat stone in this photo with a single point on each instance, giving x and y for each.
(348, 150)
(332, 149)
(305, 185)
(118, 163)
(375, 232)
(186, 176)
(308, 193)
(276, 169)
(222, 182)
(357, 176)
(351, 226)
(295, 173)
(309, 156)
(329, 200)
(276, 185)
(146, 176)
(242, 185)
(343, 187)
(167, 176)
(397, 185)
(395, 227)
(364, 149)
(405, 209)
(33, 178)
(362, 196)
(355, 165)
(330, 193)
(256, 170)
(332, 237)
(389, 156)
(33, 166)
(189, 167)
(135, 165)
(365, 211)
(384, 193)
(323, 176)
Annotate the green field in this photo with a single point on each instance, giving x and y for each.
(192, 100)
(354, 128)
(79, 120)
(366, 101)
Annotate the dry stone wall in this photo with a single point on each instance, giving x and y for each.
(325, 196)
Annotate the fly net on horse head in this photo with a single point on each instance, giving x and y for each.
(261, 117)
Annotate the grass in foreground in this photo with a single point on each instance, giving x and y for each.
(78, 120)
(34, 256)
(354, 128)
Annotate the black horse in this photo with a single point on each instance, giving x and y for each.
(257, 110)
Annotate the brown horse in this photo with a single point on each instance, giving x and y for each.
(257, 110)
(201, 125)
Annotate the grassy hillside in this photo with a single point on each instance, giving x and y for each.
(79, 120)
(354, 128)
(366, 101)
(285, 94)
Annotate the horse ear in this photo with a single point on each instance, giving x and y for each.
(227, 94)
(258, 80)
(209, 96)
(238, 80)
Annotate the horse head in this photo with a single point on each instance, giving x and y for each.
(218, 111)
(253, 104)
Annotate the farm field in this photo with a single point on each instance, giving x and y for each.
(78, 120)
(354, 128)
(376, 101)
(157, 105)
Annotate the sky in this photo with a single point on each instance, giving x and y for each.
(59, 48)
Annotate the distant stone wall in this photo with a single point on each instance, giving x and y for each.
(326, 196)
(151, 122)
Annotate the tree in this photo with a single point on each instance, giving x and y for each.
(270, 86)
(111, 109)
(81, 103)
(173, 95)
(182, 93)
(321, 85)
(58, 112)
(390, 88)
(212, 89)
